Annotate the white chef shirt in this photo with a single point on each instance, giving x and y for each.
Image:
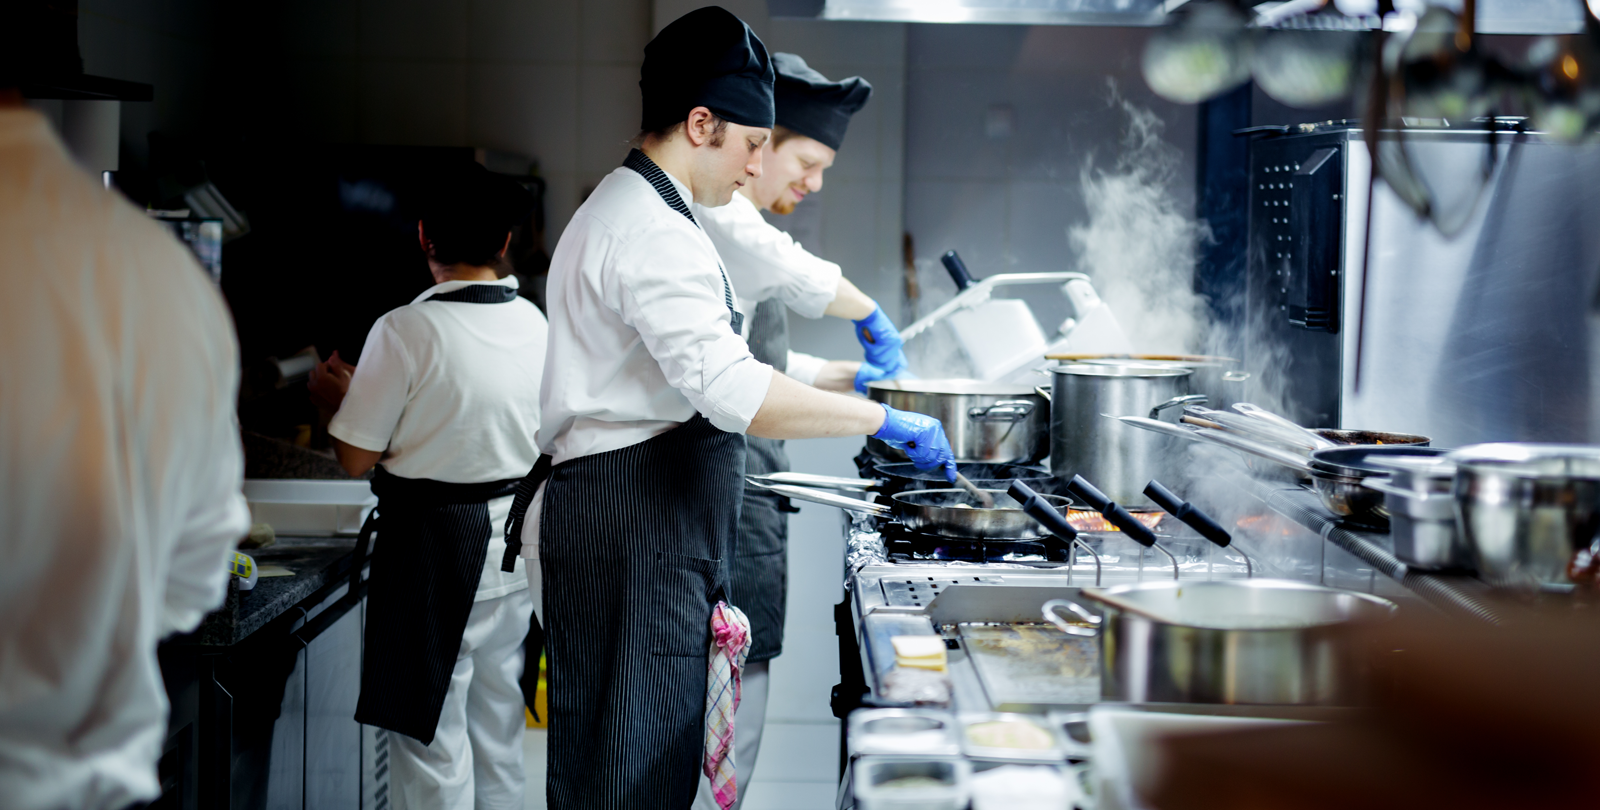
(449, 391)
(640, 334)
(764, 262)
(120, 474)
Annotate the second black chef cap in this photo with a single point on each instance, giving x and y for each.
(813, 106)
(706, 58)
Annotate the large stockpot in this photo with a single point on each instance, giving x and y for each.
(1255, 641)
(1524, 510)
(984, 421)
(1119, 459)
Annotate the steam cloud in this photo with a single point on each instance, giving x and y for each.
(1138, 244)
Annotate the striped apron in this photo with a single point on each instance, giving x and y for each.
(435, 538)
(635, 546)
(761, 565)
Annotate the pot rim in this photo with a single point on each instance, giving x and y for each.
(1129, 371)
(1507, 458)
(1388, 606)
(955, 386)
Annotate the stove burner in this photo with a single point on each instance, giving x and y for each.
(1088, 520)
(906, 545)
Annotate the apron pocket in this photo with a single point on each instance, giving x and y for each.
(679, 614)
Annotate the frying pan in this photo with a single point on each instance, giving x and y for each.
(941, 512)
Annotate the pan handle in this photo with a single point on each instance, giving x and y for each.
(1307, 434)
(1049, 610)
(958, 269)
(1039, 509)
(801, 479)
(1114, 512)
(1176, 402)
(830, 499)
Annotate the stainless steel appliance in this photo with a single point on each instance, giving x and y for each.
(1524, 510)
(1486, 335)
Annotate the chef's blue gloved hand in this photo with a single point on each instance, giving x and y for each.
(921, 437)
(881, 342)
(869, 372)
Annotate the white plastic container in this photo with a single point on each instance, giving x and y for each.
(875, 785)
(903, 732)
(309, 508)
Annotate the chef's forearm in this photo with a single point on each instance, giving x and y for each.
(792, 410)
(838, 375)
(850, 303)
(355, 460)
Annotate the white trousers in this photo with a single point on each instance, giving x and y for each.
(475, 759)
(748, 720)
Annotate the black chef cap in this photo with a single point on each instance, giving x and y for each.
(466, 211)
(706, 58)
(813, 106)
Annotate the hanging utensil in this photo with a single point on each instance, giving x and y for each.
(1042, 510)
(1204, 54)
(1196, 519)
(1119, 517)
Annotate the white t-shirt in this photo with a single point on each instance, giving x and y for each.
(765, 262)
(449, 391)
(120, 474)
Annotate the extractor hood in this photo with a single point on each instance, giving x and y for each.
(1494, 16)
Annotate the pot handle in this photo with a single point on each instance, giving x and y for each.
(1006, 410)
(1043, 391)
(1175, 402)
(1049, 610)
(958, 269)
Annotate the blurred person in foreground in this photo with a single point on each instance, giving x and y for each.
(120, 472)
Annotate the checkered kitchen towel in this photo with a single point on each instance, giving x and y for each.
(730, 643)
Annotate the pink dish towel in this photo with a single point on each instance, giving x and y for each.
(730, 643)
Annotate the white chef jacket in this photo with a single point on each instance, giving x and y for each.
(120, 474)
(764, 262)
(449, 391)
(640, 334)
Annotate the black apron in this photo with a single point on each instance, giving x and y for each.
(435, 536)
(760, 582)
(635, 545)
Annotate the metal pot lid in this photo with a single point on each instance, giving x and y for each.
(1357, 460)
(955, 386)
(1531, 459)
(1122, 370)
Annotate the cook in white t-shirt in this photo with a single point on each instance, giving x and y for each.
(446, 397)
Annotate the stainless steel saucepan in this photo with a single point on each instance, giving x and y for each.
(1258, 641)
(984, 421)
(942, 512)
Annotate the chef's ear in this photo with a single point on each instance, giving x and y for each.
(422, 237)
(703, 127)
(503, 248)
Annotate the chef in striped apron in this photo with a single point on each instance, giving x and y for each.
(649, 389)
(773, 275)
(445, 399)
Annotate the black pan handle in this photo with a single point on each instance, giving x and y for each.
(1186, 512)
(958, 270)
(1119, 517)
(1040, 509)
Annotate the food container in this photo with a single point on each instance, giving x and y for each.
(1006, 737)
(1023, 787)
(912, 783)
(1525, 509)
(984, 421)
(1118, 458)
(903, 732)
(1422, 517)
(1254, 641)
(309, 508)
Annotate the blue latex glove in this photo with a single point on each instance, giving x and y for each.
(921, 437)
(881, 342)
(869, 372)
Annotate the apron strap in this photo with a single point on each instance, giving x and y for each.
(477, 294)
(658, 180)
(519, 510)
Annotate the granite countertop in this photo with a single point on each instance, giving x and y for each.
(315, 561)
